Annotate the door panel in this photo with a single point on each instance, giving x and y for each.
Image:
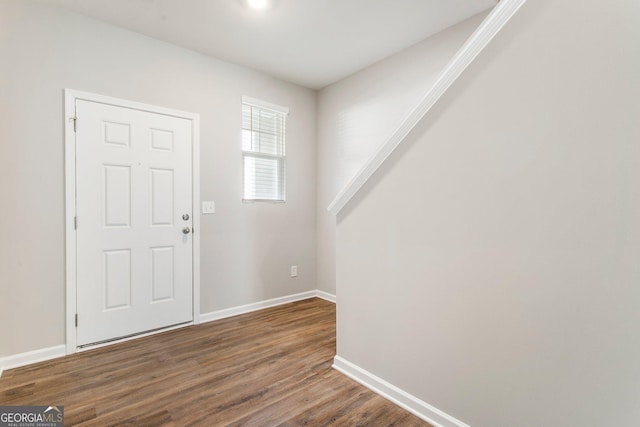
(161, 197)
(117, 195)
(133, 175)
(116, 279)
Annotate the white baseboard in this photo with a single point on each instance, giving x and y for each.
(326, 296)
(22, 359)
(248, 308)
(35, 356)
(398, 396)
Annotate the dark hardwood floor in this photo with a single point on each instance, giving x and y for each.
(267, 368)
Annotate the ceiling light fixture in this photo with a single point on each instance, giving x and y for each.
(258, 4)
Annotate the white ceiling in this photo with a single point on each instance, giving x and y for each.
(309, 42)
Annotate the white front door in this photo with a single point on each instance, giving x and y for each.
(133, 205)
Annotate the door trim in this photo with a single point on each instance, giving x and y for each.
(70, 98)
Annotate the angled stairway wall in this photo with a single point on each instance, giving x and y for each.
(489, 267)
(357, 115)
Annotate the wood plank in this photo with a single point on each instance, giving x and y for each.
(266, 368)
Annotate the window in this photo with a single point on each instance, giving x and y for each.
(263, 150)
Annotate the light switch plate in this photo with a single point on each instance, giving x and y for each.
(208, 208)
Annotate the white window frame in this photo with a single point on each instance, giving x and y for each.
(246, 100)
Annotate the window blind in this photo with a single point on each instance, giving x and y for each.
(263, 150)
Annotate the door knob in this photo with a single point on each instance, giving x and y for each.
(186, 230)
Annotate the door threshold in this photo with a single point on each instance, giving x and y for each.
(130, 337)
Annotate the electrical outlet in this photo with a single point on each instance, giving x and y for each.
(294, 271)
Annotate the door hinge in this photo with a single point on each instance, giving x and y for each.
(75, 123)
(75, 222)
(76, 320)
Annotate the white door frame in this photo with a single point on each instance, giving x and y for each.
(70, 98)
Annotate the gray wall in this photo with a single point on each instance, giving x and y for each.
(246, 248)
(357, 114)
(491, 267)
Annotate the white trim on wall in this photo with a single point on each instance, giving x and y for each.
(396, 395)
(248, 308)
(195, 170)
(70, 98)
(35, 356)
(22, 359)
(493, 23)
(264, 104)
(326, 296)
(70, 209)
